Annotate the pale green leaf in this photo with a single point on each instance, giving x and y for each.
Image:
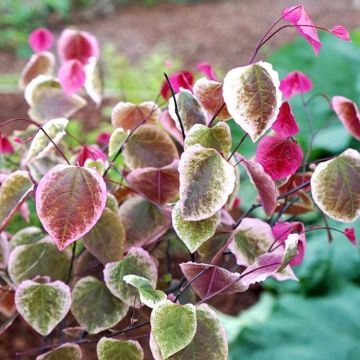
(26, 236)
(117, 139)
(111, 349)
(64, 352)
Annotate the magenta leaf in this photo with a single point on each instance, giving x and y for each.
(89, 152)
(69, 202)
(348, 113)
(40, 40)
(211, 278)
(278, 156)
(341, 32)
(285, 124)
(72, 76)
(350, 234)
(294, 83)
(207, 70)
(5, 145)
(182, 79)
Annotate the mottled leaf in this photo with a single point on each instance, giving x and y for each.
(252, 238)
(67, 351)
(217, 137)
(94, 307)
(253, 97)
(149, 146)
(13, 192)
(159, 185)
(43, 305)
(154, 223)
(106, 240)
(335, 186)
(149, 296)
(117, 139)
(190, 110)
(211, 278)
(93, 81)
(210, 96)
(39, 64)
(209, 342)
(137, 262)
(48, 101)
(128, 116)
(40, 258)
(41, 144)
(69, 202)
(173, 326)
(194, 233)
(206, 181)
(112, 349)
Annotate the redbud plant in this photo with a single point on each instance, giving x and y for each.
(139, 231)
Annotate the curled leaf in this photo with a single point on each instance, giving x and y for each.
(252, 97)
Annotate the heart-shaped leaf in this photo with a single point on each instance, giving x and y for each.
(41, 144)
(154, 223)
(210, 95)
(252, 238)
(173, 326)
(137, 262)
(43, 306)
(76, 197)
(48, 101)
(13, 192)
(190, 110)
(149, 296)
(93, 81)
(335, 186)
(159, 185)
(211, 278)
(194, 233)
(64, 352)
(217, 137)
(128, 116)
(26, 236)
(94, 307)
(252, 97)
(41, 258)
(149, 146)
(39, 64)
(106, 240)
(112, 349)
(206, 181)
(209, 342)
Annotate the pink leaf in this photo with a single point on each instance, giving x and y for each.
(159, 185)
(278, 156)
(103, 138)
(69, 202)
(341, 32)
(40, 40)
(5, 145)
(281, 232)
(89, 152)
(169, 125)
(285, 124)
(207, 70)
(211, 279)
(77, 45)
(348, 113)
(350, 234)
(298, 16)
(294, 83)
(183, 79)
(72, 76)
(263, 183)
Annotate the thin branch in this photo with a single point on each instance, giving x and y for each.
(238, 145)
(216, 114)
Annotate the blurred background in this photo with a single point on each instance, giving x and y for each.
(317, 317)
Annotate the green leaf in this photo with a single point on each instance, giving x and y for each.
(26, 236)
(94, 307)
(111, 349)
(209, 342)
(64, 352)
(43, 306)
(190, 110)
(41, 144)
(117, 139)
(106, 239)
(253, 97)
(335, 186)
(217, 137)
(41, 258)
(206, 181)
(137, 262)
(13, 192)
(149, 296)
(173, 326)
(194, 233)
